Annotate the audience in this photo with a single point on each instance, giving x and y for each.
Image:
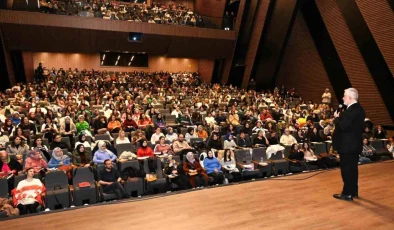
(103, 154)
(110, 179)
(35, 161)
(78, 101)
(197, 177)
(27, 194)
(213, 168)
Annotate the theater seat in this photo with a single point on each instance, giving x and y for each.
(279, 163)
(135, 185)
(158, 185)
(84, 195)
(257, 154)
(57, 190)
(242, 157)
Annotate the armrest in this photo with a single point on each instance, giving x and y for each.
(240, 165)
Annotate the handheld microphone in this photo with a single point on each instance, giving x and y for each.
(340, 106)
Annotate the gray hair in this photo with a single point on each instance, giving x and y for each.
(352, 93)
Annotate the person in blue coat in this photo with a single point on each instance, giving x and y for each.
(103, 154)
(213, 168)
(58, 159)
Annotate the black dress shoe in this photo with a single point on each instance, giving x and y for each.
(355, 196)
(343, 197)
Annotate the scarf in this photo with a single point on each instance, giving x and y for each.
(58, 158)
(191, 161)
(100, 144)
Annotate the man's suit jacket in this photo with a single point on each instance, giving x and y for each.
(349, 128)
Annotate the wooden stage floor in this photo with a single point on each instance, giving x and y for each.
(291, 202)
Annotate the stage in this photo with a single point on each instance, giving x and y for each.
(302, 201)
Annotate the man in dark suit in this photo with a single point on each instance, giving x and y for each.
(348, 141)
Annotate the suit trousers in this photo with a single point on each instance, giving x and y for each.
(349, 172)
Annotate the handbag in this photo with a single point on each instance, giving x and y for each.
(84, 184)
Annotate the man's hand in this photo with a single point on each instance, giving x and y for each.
(336, 114)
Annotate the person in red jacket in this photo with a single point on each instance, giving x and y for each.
(129, 124)
(146, 151)
(265, 116)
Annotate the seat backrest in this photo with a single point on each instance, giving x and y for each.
(67, 141)
(159, 170)
(377, 144)
(56, 178)
(3, 188)
(170, 118)
(126, 164)
(82, 174)
(196, 139)
(18, 179)
(258, 153)
(320, 148)
(104, 137)
(124, 147)
(277, 156)
(115, 135)
(243, 156)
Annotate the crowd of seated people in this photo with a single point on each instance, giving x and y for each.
(70, 118)
(157, 13)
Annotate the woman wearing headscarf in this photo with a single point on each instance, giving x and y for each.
(103, 154)
(229, 142)
(146, 151)
(68, 128)
(213, 168)
(82, 140)
(36, 161)
(7, 127)
(58, 159)
(197, 176)
(81, 157)
(27, 194)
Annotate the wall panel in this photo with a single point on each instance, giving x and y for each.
(380, 20)
(353, 62)
(255, 38)
(205, 68)
(92, 61)
(302, 66)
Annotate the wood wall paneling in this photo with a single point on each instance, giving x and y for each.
(205, 68)
(29, 65)
(302, 66)
(273, 42)
(380, 19)
(210, 8)
(50, 20)
(353, 62)
(255, 38)
(92, 61)
(229, 60)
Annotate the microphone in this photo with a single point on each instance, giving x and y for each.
(340, 106)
